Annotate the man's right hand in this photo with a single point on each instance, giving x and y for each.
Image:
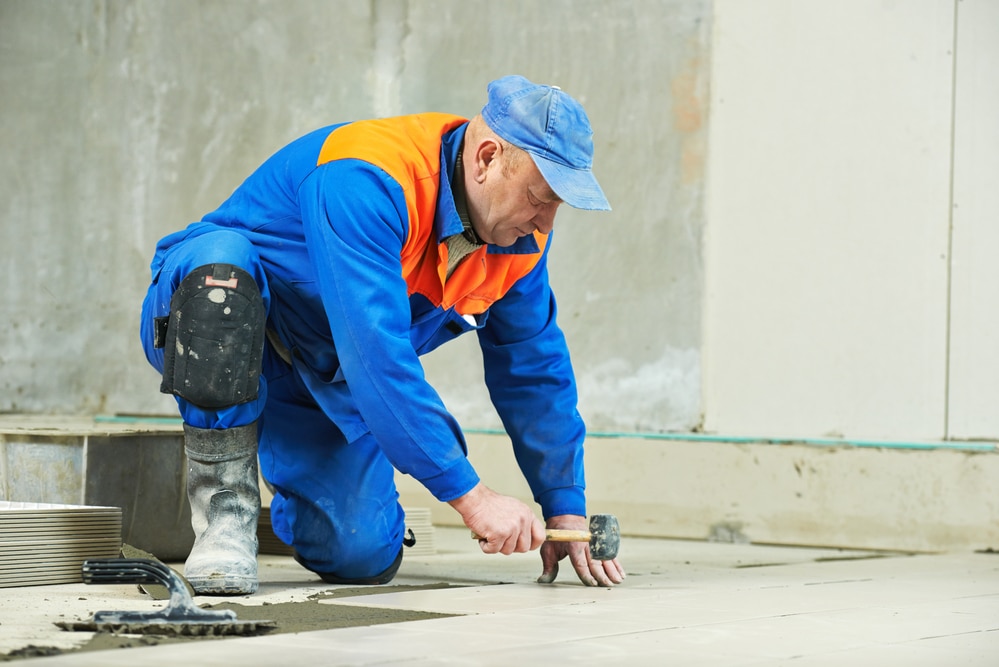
(504, 524)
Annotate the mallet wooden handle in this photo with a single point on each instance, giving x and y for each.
(558, 535)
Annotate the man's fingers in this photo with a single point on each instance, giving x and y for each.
(520, 541)
(497, 544)
(595, 572)
(503, 524)
(549, 564)
(614, 571)
(537, 535)
(579, 556)
(549, 574)
(599, 573)
(607, 572)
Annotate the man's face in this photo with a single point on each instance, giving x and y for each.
(512, 202)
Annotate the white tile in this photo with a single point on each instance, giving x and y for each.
(701, 610)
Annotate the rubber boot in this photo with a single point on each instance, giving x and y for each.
(225, 505)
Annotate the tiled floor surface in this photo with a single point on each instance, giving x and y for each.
(684, 603)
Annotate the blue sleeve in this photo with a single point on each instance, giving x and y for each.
(356, 223)
(531, 383)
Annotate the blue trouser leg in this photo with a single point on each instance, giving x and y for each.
(222, 246)
(335, 502)
(220, 442)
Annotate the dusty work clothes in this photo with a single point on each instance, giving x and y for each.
(344, 231)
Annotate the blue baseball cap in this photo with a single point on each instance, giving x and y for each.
(554, 129)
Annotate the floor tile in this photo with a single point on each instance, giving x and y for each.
(684, 603)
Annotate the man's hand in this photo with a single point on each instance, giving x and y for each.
(504, 524)
(591, 572)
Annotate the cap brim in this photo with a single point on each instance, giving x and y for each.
(576, 187)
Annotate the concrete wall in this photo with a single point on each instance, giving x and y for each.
(123, 121)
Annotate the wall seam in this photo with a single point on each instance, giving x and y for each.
(950, 229)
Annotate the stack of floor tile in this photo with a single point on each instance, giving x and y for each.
(418, 521)
(43, 543)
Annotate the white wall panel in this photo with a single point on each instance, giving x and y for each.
(974, 355)
(827, 211)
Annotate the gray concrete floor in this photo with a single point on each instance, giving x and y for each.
(683, 603)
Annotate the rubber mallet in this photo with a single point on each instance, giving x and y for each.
(604, 536)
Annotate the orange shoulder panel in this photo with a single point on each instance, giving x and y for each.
(408, 149)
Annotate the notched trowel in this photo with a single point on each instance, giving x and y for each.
(180, 617)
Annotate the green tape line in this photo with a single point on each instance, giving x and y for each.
(680, 437)
(815, 442)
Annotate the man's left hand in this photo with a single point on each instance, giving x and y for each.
(591, 572)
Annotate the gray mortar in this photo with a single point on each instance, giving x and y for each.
(305, 616)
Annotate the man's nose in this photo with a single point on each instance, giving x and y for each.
(545, 220)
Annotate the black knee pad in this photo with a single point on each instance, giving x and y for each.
(214, 343)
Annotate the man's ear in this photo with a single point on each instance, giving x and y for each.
(488, 151)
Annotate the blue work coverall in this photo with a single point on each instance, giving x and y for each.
(326, 227)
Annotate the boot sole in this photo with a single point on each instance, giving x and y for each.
(223, 585)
